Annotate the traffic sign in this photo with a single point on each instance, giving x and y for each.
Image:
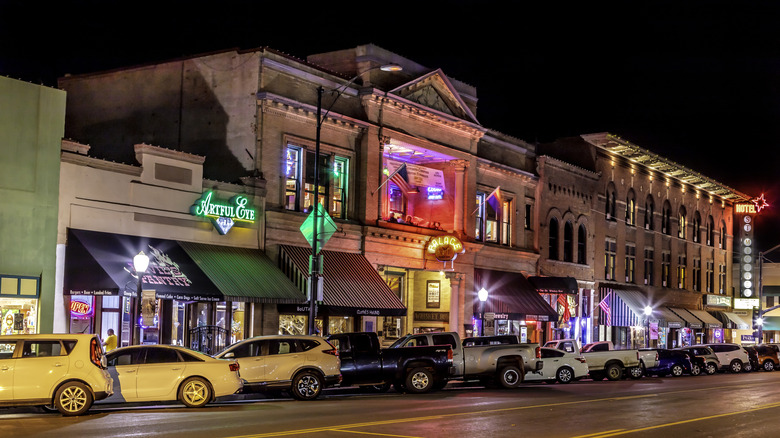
(325, 227)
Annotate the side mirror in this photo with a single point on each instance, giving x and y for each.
(229, 356)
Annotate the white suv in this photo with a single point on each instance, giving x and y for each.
(67, 371)
(303, 365)
(732, 357)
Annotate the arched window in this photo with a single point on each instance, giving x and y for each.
(553, 243)
(631, 208)
(722, 241)
(568, 242)
(710, 231)
(683, 224)
(696, 227)
(582, 241)
(611, 198)
(649, 212)
(666, 218)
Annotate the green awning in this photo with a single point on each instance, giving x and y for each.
(771, 323)
(243, 274)
(771, 291)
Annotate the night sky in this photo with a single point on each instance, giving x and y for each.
(695, 81)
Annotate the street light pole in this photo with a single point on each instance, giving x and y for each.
(316, 262)
(648, 313)
(483, 296)
(140, 264)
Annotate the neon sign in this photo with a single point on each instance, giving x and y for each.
(435, 193)
(753, 207)
(223, 214)
(80, 308)
(445, 248)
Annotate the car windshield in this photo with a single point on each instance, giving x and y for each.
(398, 342)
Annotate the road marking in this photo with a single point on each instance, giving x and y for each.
(676, 423)
(372, 433)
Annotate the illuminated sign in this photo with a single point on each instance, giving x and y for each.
(223, 214)
(80, 308)
(435, 193)
(745, 303)
(445, 248)
(753, 207)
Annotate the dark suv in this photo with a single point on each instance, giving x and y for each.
(711, 363)
(674, 362)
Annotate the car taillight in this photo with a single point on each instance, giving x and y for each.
(234, 366)
(538, 352)
(332, 351)
(449, 355)
(95, 352)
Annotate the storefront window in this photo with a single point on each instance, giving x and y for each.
(292, 324)
(109, 317)
(338, 324)
(18, 315)
(82, 310)
(178, 323)
(237, 323)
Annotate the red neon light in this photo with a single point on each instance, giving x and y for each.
(760, 203)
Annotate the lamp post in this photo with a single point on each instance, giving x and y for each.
(140, 264)
(648, 313)
(760, 319)
(315, 263)
(483, 296)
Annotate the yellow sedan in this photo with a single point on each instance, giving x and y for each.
(144, 373)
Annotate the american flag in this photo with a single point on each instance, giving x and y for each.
(401, 179)
(604, 304)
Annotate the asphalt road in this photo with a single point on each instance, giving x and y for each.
(745, 404)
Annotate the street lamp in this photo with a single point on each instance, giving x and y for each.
(761, 292)
(140, 264)
(648, 313)
(483, 296)
(315, 264)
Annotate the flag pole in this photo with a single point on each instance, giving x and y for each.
(398, 169)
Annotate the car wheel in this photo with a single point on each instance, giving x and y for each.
(195, 392)
(73, 398)
(636, 372)
(510, 376)
(306, 385)
(614, 372)
(564, 375)
(735, 366)
(677, 370)
(695, 369)
(769, 366)
(419, 380)
(711, 368)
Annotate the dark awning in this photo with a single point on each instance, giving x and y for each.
(351, 285)
(102, 264)
(770, 291)
(708, 320)
(554, 285)
(243, 274)
(690, 320)
(512, 294)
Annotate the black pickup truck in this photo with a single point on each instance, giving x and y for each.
(410, 369)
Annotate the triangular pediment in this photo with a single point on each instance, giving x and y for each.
(435, 91)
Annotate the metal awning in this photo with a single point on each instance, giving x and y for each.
(512, 294)
(102, 264)
(667, 318)
(708, 320)
(351, 286)
(690, 320)
(243, 274)
(554, 285)
(737, 321)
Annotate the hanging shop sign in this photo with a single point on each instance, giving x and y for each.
(223, 214)
(445, 248)
(717, 300)
(419, 176)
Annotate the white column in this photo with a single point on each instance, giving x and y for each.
(460, 193)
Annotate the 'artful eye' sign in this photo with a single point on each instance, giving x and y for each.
(224, 214)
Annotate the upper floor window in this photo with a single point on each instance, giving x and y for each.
(722, 239)
(611, 202)
(682, 270)
(666, 269)
(722, 278)
(568, 242)
(528, 216)
(649, 211)
(582, 242)
(666, 218)
(649, 264)
(493, 219)
(697, 275)
(292, 173)
(630, 263)
(553, 239)
(683, 224)
(710, 275)
(610, 249)
(710, 239)
(696, 227)
(299, 171)
(631, 209)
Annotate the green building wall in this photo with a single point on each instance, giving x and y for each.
(32, 125)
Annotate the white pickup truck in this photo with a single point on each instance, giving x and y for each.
(603, 360)
(492, 361)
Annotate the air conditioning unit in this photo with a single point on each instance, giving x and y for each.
(647, 226)
(664, 283)
(645, 281)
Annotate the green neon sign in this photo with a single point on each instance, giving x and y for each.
(223, 214)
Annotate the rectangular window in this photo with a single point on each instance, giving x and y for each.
(309, 181)
(666, 269)
(649, 264)
(630, 212)
(682, 268)
(480, 216)
(710, 276)
(527, 216)
(506, 223)
(697, 275)
(630, 263)
(340, 180)
(722, 279)
(609, 259)
(491, 223)
(433, 298)
(292, 173)
(493, 220)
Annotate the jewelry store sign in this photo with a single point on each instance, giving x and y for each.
(223, 214)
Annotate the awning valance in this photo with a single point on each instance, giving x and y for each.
(690, 320)
(708, 320)
(512, 294)
(554, 285)
(351, 285)
(735, 321)
(771, 323)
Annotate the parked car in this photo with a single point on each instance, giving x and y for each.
(674, 362)
(491, 340)
(559, 366)
(414, 369)
(732, 357)
(302, 365)
(709, 360)
(167, 372)
(768, 359)
(67, 371)
(505, 364)
(603, 359)
(648, 358)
